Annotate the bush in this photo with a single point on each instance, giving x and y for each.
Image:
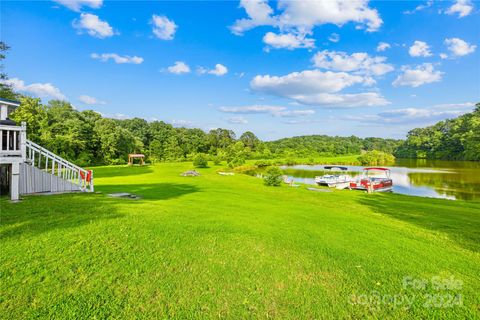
(273, 177)
(200, 161)
(262, 163)
(236, 162)
(375, 158)
(250, 170)
(217, 160)
(117, 162)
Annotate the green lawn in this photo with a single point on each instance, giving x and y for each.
(228, 247)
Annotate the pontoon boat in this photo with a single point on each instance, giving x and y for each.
(331, 179)
(372, 181)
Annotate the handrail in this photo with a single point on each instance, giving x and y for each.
(73, 173)
(53, 155)
(11, 128)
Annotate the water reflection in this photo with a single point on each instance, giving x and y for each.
(426, 178)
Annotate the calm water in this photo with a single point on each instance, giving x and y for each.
(425, 178)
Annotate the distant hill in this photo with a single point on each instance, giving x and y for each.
(322, 144)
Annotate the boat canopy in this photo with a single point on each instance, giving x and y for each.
(377, 168)
(331, 167)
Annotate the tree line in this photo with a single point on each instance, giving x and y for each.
(452, 139)
(87, 138)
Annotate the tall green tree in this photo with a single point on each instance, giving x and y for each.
(115, 142)
(6, 90)
(34, 114)
(250, 140)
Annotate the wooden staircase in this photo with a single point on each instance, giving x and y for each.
(44, 171)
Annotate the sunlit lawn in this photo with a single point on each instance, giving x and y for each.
(228, 247)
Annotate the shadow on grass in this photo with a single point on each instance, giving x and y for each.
(156, 191)
(121, 171)
(43, 213)
(458, 219)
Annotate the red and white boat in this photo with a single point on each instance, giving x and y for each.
(375, 179)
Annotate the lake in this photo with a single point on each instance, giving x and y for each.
(417, 177)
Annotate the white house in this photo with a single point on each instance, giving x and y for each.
(27, 168)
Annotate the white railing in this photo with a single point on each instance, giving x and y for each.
(46, 160)
(11, 138)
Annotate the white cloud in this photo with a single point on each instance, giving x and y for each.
(117, 58)
(359, 62)
(181, 123)
(304, 15)
(252, 109)
(443, 55)
(76, 5)
(219, 70)
(295, 113)
(93, 26)
(382, 46)
(304, 82)
(237, 120)
(297, 19)
(459, 47)
(420, 7)
(420, 49)
(179, 67)
(259, 14)
(415, 115)
(317, 88)
(276, 111)
(163, 28)
(339, 100)
(418, 75)
(40, 90)
(90, 100)
(334, 37)
(118, 116)
(288, 41)
(462, 7)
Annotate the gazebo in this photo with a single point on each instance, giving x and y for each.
(133, 156)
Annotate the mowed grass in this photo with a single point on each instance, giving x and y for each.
(229, 247)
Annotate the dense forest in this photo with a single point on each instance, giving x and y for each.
(452, 139)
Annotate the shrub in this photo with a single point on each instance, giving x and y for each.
(235, 162)
(250, 170)
(273, 177)
(262, 163)
(116, 162)
(290, 162)
(217, 160)
(200, 161)
(375, 158)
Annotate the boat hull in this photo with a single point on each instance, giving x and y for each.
(338, 185)
(334, 181)
(377, 185)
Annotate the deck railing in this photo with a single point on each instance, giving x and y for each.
(11, 140)
(46, 160)
(14, 146)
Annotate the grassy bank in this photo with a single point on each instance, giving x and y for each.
(228, 247)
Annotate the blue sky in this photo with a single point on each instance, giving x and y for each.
(278, 69)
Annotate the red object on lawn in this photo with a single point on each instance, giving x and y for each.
(89, 175)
